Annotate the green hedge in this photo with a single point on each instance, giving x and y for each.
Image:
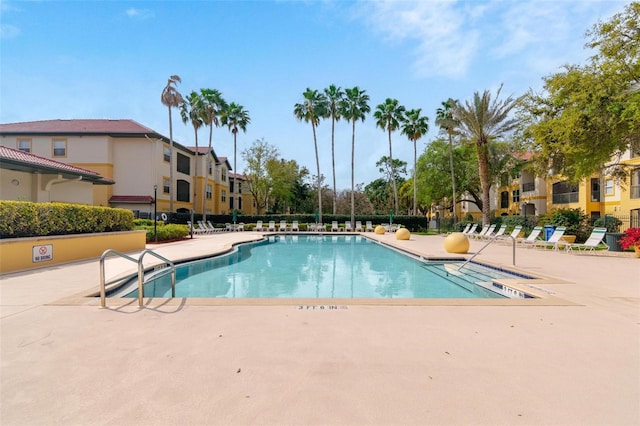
(165, 232)
(28, 219)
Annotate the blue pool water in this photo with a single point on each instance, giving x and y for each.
(322, 266)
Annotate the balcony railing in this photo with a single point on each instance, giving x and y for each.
(529, 186)
(570, 197)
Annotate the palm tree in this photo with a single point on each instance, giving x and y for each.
(444, 119)
(334, 95)
(388, 116)
(191, 111)
(353, 107)
(311, 110)
(482, 121)
(415, 126)
(212, 107)
(171, 98)
(236, 118)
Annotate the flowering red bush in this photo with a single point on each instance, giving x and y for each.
(631, 238)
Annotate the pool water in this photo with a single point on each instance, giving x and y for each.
(323, 266)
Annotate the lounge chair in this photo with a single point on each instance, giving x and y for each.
(531, 238)
(466, 228)
(496, 234)
(213, 228)
(272, 226)
(259, 226)
(594, 240)
(358, 226)
(320, 227)
(283, 226)
(334, 226)
(193, 229)
(294, 226)
(369, 227)
(514, 234)
(347, 226)
(471, 230)
(239, 227)
(554, 239)
(482, 232)
(204, 228)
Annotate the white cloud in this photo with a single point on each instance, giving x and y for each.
(134, 13)
(9, 31)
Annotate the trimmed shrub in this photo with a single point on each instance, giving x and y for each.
(28, 219)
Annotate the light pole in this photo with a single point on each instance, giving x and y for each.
(155, 212)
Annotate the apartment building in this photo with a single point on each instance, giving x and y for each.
(136, 158)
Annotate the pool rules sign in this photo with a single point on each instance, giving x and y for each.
(42, 253)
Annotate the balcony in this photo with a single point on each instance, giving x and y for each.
(569, 197)
(529, 186)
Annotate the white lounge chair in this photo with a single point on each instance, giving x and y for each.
(553, 240)
(204, 228)
(531, 238)
(594, 240)
(294, 226)
(283, 226)
(514, 234)
(272, 226)
(358, 226)
(347, 226)
(334, 226)
(213, 228)
(193, 229)
(482, 232)
(369, 226)
(259, 226)
(466, 228)
(471, 230)
(496, 234)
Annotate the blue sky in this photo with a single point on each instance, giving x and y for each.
(111, 59)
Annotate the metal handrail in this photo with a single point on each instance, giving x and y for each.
(513, 241)
(140, 273)
(103, 295)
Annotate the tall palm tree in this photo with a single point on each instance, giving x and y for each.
(388, 116)
(171, 98)
(446, 122)
(415, 126)
(212, 108)
(311, 110)
(235, 117)
(334, 95)
(483, 120)
(353, 107)
(191, 111)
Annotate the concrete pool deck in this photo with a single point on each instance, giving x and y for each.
(177, 363)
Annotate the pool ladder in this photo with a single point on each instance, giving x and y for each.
(513, 242)
(103, 282)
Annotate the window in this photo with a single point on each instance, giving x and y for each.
(208, 192)
(224, 175)
(231, 202)
(608, 187)
(210, 167)
(59, 147)
(231, 185)
(239, 203)
(184, 164)
(224, 196)
(504, 200)
(239, 187)
(635, 183)
(166, 185)
(564, 193)
(595, 189)
(167, 154)
(24, 145)
(516, 196)
(183, 191)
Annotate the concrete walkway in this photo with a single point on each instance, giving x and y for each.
(186, 363)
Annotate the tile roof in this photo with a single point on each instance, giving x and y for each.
(14, 159)
(84, 126)
(136, 199)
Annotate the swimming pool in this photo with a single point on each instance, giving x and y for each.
(324, 266)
